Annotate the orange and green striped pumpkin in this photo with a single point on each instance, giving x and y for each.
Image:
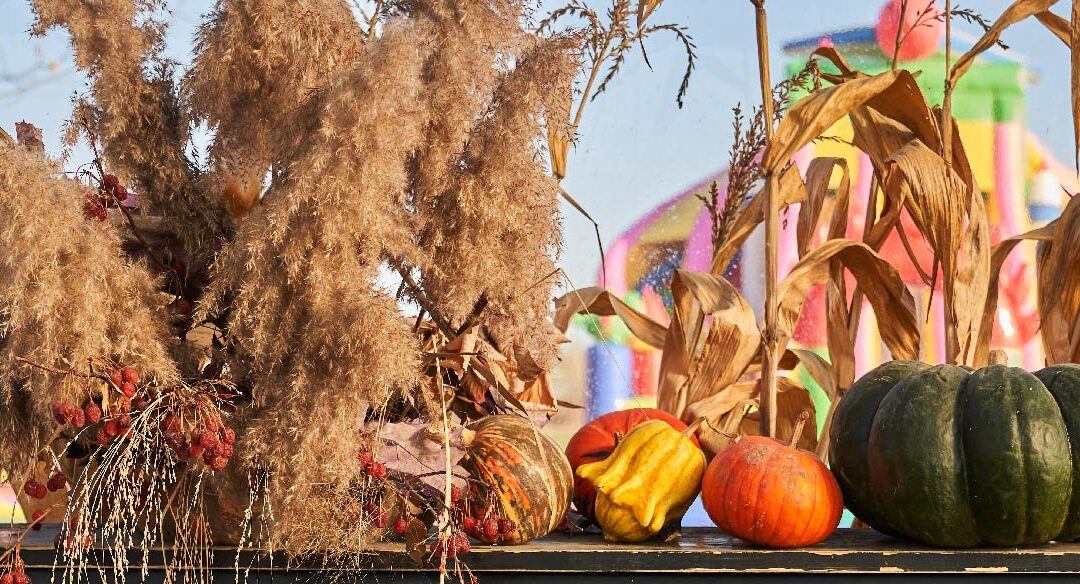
(526, 474)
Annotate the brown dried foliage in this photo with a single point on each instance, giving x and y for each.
(66, 295)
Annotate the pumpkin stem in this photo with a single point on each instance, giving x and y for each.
(618, 437)
(467, 436)
(998, 357)
(800, 423)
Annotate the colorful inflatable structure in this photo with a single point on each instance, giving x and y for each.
(1023, 184)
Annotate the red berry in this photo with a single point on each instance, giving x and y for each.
(370, 507)
(7, 579)
(120, 192)
(400, 525)
(139, 403)
(228, 435)
(78, 418)
(102, 436)
(461, 543)
(116, 378)
(507, 526)
(195, 450)
(128, 389)
(30, 487)
(57, 482)
(378, 470)
(364, 457)
(455, 494)
(92, 412)
(381, 520)
(19, 578)
(129, 375)
(219, 463)
(469, 525)
(208, 457)
(112, 427)
(124, 420)
(212, 424)
(58, 412)
(36, 518)
(206, 438)
(491, 529)
(40, 492)
(171, 424)
(110, 182)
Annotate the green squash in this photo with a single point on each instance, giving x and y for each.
(959, 458)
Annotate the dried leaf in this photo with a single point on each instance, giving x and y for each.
(877, 278)
(731, 345)
(819, 369)
(998, 255)
(1017, 11)
(1059, 284)
(600, 302)
(841, 342)
(814, 114)
(832, 55)
(415, 538)
(818, 176)
(1075, 80)
(792, 190)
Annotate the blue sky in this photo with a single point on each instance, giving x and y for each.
(637, 148)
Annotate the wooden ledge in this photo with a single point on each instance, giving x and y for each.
(700, 552)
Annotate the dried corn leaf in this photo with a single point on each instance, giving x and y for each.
(971, 287)
(731, 345)
(1059, 286)
(841, 341)
(1060, 27)
(814, 114)
(600, 302)
(1075, 82)
(818, 176)
(792, 190)
(998, 255)
(879, 280)
(729, 416)
(819, 369)
(1017, 11)
(832, 55)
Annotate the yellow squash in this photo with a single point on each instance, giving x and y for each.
(651, 478)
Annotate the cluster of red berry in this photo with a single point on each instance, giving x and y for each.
(454, 545)
(17, 574)
(36, 490)
(479, 518)
(123, 380)
(371, 467)
(210, 440)
(110, 193)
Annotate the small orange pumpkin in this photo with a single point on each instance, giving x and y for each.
(597, 440)
(772, 494)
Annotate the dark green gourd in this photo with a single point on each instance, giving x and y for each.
(961, 458)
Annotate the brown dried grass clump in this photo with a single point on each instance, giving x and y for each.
(66, 295)
(135, 111)
(256, 61)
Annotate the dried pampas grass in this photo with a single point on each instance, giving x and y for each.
(66, 296)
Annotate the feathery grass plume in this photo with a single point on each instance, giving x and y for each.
(253, 65)
(473, 41)
(317, 337)
(134, 110)
(501, 233)
(66, 295)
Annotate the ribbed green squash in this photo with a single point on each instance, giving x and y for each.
(960, 458)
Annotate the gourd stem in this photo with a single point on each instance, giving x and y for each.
(689, 431)
(998, 357)
(797, 433)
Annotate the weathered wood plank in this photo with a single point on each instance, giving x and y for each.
(700, 552)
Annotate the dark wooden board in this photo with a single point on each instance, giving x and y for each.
(701, 554)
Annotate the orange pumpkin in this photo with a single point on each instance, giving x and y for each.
(597, 439)
(772, 494)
